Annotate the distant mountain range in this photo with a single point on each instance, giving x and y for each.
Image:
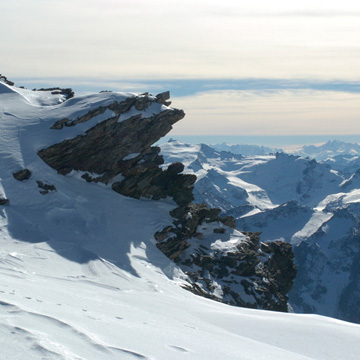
(324, 152)
(330, 149)
(313, 205)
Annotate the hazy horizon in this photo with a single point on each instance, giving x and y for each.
(269, 141)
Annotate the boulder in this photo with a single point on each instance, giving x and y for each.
(22, 175)
(4, 201)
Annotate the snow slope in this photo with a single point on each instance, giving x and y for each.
(81, 278)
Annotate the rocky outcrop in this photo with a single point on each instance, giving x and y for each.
(4, 201)
(226, 265)
(148, 180)
(22, 175)
(67, 92)
(45, 188)
(4, 79)
(114, 145)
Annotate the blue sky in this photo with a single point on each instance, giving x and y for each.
(263, 68)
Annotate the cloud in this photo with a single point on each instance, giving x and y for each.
(178, 39)
(275, 112)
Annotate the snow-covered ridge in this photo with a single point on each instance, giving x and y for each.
(331, 151)
(81, 277)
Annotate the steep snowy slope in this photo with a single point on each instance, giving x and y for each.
(81, 277)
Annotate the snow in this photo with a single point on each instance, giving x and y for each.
(131, 156)
(313, 225)
(329, 150)
(177, 151)
(153, 109)
(352, 197)
(81, 277)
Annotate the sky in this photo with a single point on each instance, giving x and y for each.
(256, 68)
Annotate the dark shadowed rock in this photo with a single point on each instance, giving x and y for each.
(46, 188)
(163, 97)
(4, 201)
(253, 274)
(22, 175)
(102, 149)
(5, 80)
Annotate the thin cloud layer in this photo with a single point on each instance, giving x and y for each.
(280, 112)
(137, 43)
(180, 39)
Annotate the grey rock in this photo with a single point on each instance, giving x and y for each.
(256, 275)
(4, 201)
(104, 146)
(46, 188)
(22, 175)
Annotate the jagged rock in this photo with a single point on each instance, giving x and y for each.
(252, 274)
(163, 97)
(22, 175)
(4, 201)
(219, 231)
(229, 221)
(173, 248)
(146, 179)
(67, 92)
(187, 218)
(5, 80)
(104, 146)
(112, 147)
(46, 187)
(280, 268)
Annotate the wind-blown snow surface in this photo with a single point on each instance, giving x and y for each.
(81, 278)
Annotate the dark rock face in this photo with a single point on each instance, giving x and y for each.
(115, 147)
(242, 272)
(4, 201)
(349, 304)
(4, 79)
(22, 175)
(152, 182)
(105, 148)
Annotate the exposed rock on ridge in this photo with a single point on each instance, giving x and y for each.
(242, 272)
(116, 146)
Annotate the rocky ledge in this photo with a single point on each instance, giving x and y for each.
(226, 265)
(123, 147)
(221, 263)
